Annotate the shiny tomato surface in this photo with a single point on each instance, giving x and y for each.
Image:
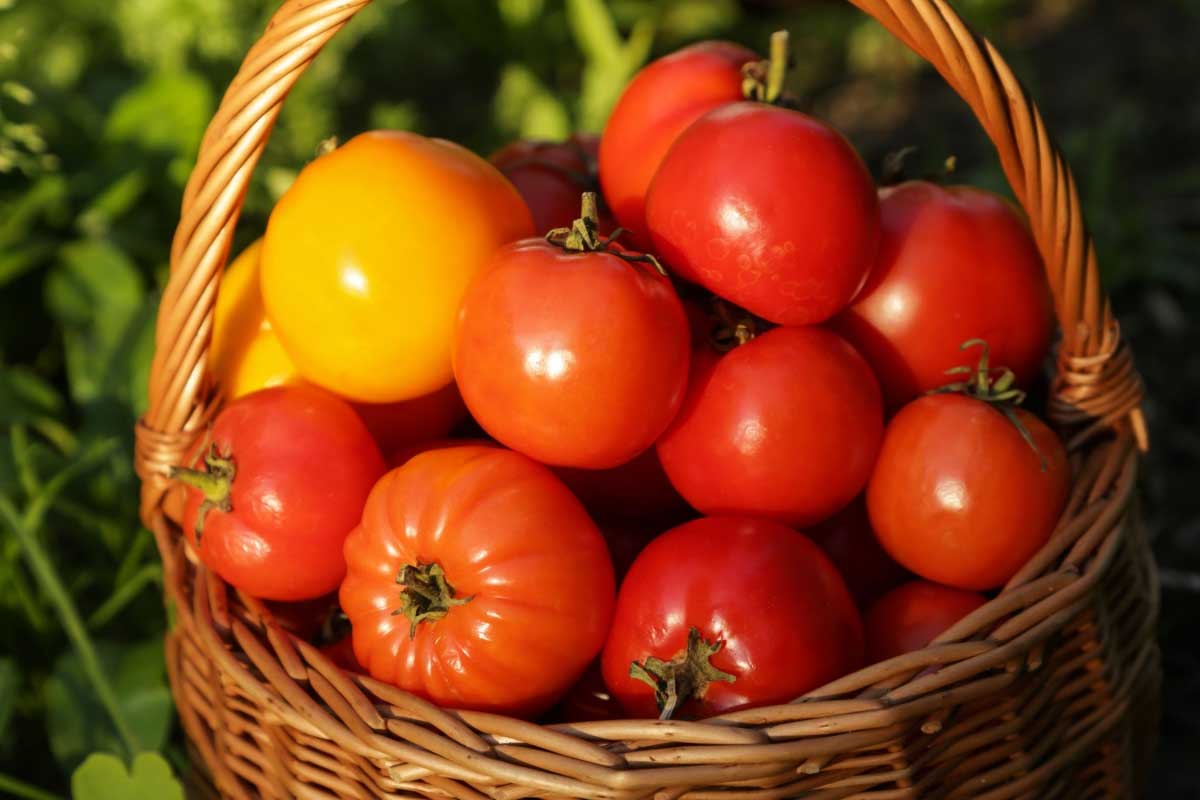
(285, 473)
(786, 426)
(955, 263)
(958, 497)
(367, 256)
(477, 580)
(911, 616)
(657, 106)
(772, 619)
(576, 359)
(768, 208)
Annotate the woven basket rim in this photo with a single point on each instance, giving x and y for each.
(1096, 399)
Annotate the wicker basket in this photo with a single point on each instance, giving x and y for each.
(1050, 690)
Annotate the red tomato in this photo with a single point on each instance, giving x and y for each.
(430, 416)
(954, 264)
(768, 208)
(577, 359)
(550, 176)
(659, 103)
(341, 653)
(400, 456)
(913, 615)
(638, 490)
(785, 426)
(304, 619)
(589, 699)
(848, 540)
(478, 581)
(742, 612)
(276, 488)
(959, 497)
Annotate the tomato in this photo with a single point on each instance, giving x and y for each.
(431, 416)
(954, 264)
(848, 540)
(637, 490)
(661, 101)
(911, 616)
(742, 612)
(550, 177)
(768, 208)
(588, 700)
(478, 581)
(367, 255)
(959, 497)
(576, 359)
(341, 653)
(626, 538)
(275, 488)
(785, 426)
(245, 354)
(400, 456)
(305, 618)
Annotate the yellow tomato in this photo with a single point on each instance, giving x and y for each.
(246, 354)
(367, 256)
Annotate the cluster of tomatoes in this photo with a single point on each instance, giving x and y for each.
(763, 407)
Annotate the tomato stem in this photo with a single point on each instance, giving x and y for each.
(215, 484)
(685, 676)
(582, 237)
(427, 596)
(1000, 392)
(734, 330)
(763, 80)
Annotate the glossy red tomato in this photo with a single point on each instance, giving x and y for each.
(659, 103)
(276, 488)
(786, 426)
(913, 615)
(848, 540)
(550, 176)
(958, 497)
(588, 700)
(430, 416)
(638, 490)
(477, 580)
(743, 612)
(954, 264)
(768, 208)
(574, 358)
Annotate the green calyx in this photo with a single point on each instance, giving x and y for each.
(215, 484)
(427, 596)
(582, 236)
(763, 80)
(685, 676)
(1000, 392)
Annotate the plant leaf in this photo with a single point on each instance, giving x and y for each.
(10, 684)
(167, 112)
(104, 777)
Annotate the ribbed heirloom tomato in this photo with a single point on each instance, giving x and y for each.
(785, 426)
(367, 255)
(660, 103)
(958, 495)
(911, 616)
(571, 351)
(725, 613)
(954, 264)
(478, 581)
(550, 177)
(276, 487)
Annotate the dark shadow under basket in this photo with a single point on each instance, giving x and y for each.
(1048, 691)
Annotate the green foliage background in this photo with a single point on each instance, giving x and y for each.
(102, 106)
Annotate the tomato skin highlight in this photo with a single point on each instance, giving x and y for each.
(955, 263)
(717, 215)
(575, 359)
(304, 466)
(550, 177)
(958, 497)
(786, 426)
(784, 617)
(529, 572)
(912, 615)
(368, 253)
(848, 540)
(659, 104)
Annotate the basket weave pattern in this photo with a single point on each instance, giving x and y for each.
(1048, 691)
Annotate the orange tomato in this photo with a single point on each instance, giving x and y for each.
(368, 253)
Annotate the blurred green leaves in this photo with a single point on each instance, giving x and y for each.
(105, 777)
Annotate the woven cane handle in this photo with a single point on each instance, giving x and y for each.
(1095, 387)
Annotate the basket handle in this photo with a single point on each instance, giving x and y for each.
(1096, 387)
